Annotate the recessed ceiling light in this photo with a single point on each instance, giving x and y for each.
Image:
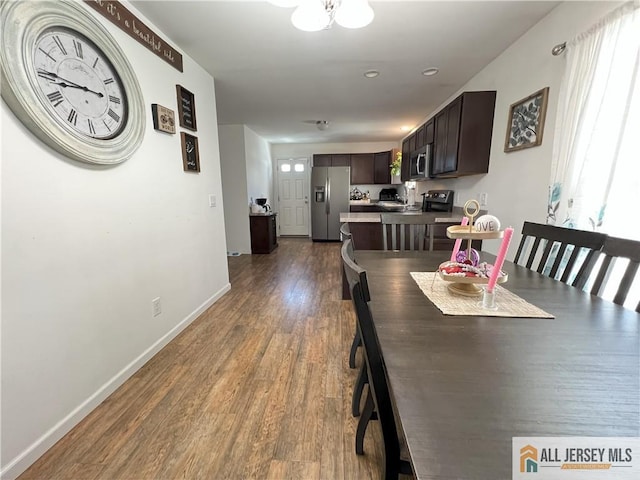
(430, 71)
(404, 128)
(371, 73)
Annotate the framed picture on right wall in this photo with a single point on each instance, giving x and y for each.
(526, 121)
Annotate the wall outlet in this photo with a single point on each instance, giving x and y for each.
(156, 307)
(483, 200)
(212, 200)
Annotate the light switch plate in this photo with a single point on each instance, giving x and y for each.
(212, 200)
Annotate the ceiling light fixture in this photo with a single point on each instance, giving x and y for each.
(371, 73)
(405, 128)
(430, 72)
(322, 124)
(315, 15)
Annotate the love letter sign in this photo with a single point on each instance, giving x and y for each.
(487, 223)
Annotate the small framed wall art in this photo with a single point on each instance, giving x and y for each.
(186, 108)
(190, 153)
(526, 121)
(163, 118)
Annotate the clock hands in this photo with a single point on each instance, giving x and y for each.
(64, 83)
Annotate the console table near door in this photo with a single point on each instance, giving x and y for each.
(463, 386)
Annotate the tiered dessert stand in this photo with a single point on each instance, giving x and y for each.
(467, 283)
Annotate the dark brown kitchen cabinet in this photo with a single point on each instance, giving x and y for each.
(362, 169)
(371, 208)
(382, 167)
(340, 160)
(429, 131)
(463, 131)
(264, 238)
(321, 160)
(366, 168)
(405, 167)
(331, 160)
(424, 135)
(421, 136)
(412, 142)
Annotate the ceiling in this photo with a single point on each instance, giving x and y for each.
(278, 80)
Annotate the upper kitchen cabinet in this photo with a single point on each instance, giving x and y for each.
(340, 160)
(424, 135)
(405, 167)
(463, 130)
(362, 169)
(429, 128)
(412, 141)
(331, 160)
(421, 135)
(382, 167)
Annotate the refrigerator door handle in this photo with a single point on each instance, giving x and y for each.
(328, 200)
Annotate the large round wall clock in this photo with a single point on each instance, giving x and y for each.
(68, 81)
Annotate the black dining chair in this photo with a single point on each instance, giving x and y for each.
(548, 245)
(361, 380)
(403, 231)
(345, 231)
(345, 234)
(378, 404)
(618, 248)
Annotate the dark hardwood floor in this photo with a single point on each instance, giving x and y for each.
(257, 387)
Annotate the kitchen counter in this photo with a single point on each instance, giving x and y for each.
(374, 217)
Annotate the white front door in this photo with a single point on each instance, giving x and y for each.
(293, 196)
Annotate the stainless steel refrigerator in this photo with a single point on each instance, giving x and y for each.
(330, 187)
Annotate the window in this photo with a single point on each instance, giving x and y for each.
(595, 181)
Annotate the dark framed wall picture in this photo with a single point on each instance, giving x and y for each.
(190, 153)
(163, 118)
(526, 121)
(186, 108)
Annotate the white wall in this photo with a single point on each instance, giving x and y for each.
(248, 174)
(259, 169)
(234, 188)
(84, 251)
(517, 182)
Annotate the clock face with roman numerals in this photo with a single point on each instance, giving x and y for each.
(67, 79)
(79, 84)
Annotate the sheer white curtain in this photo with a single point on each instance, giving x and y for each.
(595, 176)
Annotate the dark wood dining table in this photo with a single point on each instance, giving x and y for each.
(463, 386)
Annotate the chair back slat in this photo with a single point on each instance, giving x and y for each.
(613, 249)
(585, 269)
(545, 256)
(555, 242)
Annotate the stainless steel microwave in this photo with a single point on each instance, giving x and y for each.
(421, 162)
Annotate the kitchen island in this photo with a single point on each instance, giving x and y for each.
(366, 228)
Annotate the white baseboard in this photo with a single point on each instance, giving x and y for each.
(21, 462)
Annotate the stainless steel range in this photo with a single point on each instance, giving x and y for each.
(437, 201)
